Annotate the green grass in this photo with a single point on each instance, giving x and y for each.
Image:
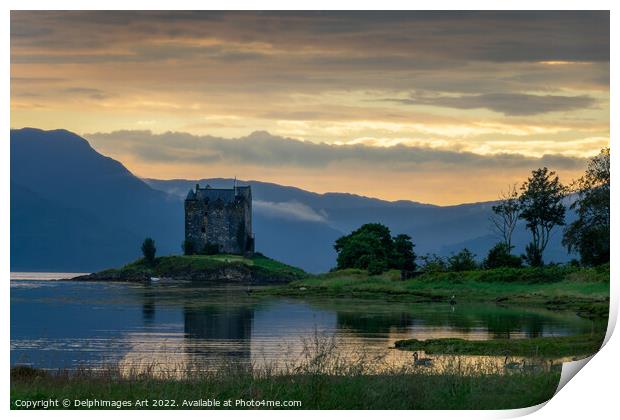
(584, 290)
(322, 377)
(580, 345)
(257, 267)
(276, 268)
(398, 389)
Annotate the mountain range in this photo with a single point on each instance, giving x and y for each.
(73, 209)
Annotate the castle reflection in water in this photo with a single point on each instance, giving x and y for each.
(71, 324)
(227, 329)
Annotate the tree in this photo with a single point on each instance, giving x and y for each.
(589, 234)
(403, 256)
(542, 209)
(499, 256)
(372, 248)
(506, 214)
(377, 267)
(148, 250)
(463, 261)
(371, 242)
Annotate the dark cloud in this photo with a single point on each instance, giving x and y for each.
(452, 52)
(263, 149)
(465, 36)
(506, 103)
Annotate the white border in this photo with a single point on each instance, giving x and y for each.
(592, 394)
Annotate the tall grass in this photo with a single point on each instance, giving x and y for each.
(323, 378)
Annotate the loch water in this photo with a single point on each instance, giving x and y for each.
(66, 324)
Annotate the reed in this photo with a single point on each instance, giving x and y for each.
(324, 377)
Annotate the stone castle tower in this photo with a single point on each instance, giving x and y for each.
(219, 220)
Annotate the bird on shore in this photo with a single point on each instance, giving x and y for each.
(424, 361)
(532, 366)
(513, 365)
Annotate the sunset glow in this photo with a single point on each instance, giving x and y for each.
(440, 107)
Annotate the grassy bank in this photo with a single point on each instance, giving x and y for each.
(204, 267)
(546, 347)
(401, 389)
(324, 376)
(584, 290)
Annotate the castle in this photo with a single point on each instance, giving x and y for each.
(219, 220)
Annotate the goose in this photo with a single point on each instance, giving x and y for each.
(424, 361)
(531, 367)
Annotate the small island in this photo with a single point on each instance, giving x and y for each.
(218, 246)
(228, 268)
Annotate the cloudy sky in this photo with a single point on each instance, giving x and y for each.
(439, 107)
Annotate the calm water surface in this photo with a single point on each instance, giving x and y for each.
(63, 324)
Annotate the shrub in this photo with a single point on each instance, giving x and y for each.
(500, 256)
(188, 247)
(463, 261)
(433, 263)
(210, 249)
(533, 255)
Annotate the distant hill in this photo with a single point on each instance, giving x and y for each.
(435, 229)
(75, 209)
(45, 235)
(60, 170)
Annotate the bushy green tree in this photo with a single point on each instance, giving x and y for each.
(371, 242)
(149, 250)
(403, 256)
(542, 209)
(463, 261)
(500, 256)
(589, 234)
(372, 248)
